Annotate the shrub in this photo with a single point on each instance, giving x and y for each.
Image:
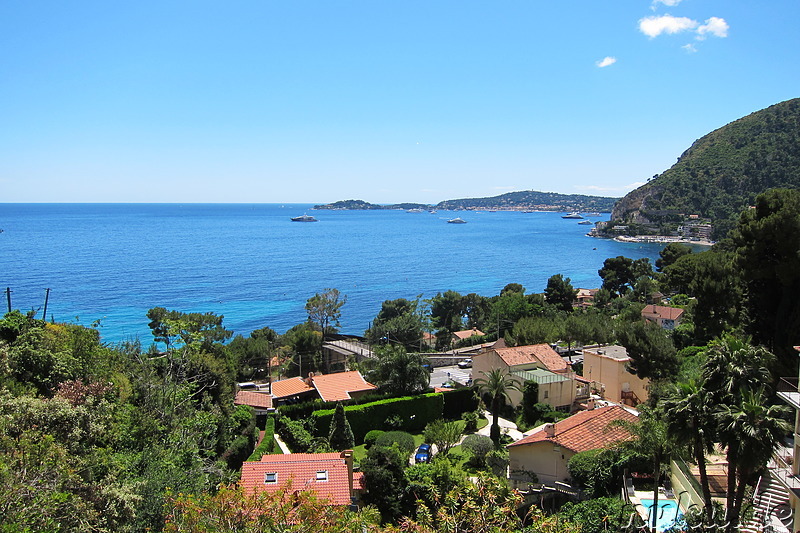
(404, 441)
(470, 419)
(479, 446)
(268, 445)
(299, 439)
(371, 437)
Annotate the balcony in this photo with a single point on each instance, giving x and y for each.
(780, 468)
(788, 391)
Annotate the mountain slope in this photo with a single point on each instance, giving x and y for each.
(723, 171)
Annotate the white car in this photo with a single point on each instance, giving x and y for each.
(466, 363)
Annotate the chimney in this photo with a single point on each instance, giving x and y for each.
(550, 429)
(347, 455)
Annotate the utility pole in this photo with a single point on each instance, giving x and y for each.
(46, 297)
(8, 296)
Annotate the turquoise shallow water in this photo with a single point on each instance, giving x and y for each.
(249, 262)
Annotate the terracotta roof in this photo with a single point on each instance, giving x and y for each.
(660, 311)
(326, 474)
(289, 387)
(586, 430)
(535, 353)
(259, 400)
(467, 333)
(335, 387)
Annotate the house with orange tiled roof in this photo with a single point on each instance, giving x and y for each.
(329, 476)
(292, 389)
(584, 298)
(558, 385)
(459, 336)
(260, 401)
(546, 451)
(341, 386)
(665, 317)
(328, 387)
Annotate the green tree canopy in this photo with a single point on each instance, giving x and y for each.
(560, 293)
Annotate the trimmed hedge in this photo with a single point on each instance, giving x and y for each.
(299, 411)
(268, 446)
(414, 412)
(458, 402)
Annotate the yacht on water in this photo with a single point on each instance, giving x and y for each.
(304, 218)
(585, 222)
(457, 220)
(574, 214)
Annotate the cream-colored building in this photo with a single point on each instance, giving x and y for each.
(558, 385)
(544, 455)
(606, 368)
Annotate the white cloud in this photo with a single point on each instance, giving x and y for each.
(690, 48)
(606, 61)
(715, 26)
(655, 26)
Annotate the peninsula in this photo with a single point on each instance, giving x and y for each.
(512, 201)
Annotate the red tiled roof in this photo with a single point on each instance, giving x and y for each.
(467, 333)
(259, 400)
(335, 387)
(586, 430)
(541, 353)
(289, 387)
(660, 311)
(304, 471)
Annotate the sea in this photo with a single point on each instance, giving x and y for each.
(105, 265)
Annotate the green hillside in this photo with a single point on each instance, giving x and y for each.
(549, 201)
(722, 172)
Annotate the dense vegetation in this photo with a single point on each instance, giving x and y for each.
(126, 438)
(722, 172)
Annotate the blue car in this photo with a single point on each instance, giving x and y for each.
(423, 454)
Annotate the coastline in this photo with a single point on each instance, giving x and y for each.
(662, 239)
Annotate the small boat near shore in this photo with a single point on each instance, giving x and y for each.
(457, 220)
(304, 218)
(585, 222)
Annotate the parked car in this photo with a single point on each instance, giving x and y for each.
(423, 454)
(466, 363)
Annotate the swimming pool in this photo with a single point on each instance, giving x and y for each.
(668, 513)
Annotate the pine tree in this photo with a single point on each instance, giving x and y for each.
(341, 435)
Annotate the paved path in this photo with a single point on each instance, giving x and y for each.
(506, 426)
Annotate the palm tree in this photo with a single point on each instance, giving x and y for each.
(651, 439)
(751, 430)
(497, 384)
(733, 364)
(691, 423)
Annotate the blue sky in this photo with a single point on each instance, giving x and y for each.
(385, 101)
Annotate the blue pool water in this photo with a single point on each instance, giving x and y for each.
(668, 513)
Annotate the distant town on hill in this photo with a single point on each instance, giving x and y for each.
(511, 201)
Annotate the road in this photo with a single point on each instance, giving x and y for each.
(443, 373)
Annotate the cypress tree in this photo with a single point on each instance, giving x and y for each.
(341, 435)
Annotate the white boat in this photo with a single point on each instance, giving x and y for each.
(457, 220)
(574, 214)
(415, 210)
(585, 222)
(304, 218)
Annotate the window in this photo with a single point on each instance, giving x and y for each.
(322, 475)
(271, 477)
(546, 393)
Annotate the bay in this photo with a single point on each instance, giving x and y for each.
(109, 263)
